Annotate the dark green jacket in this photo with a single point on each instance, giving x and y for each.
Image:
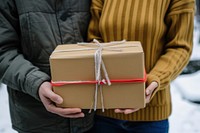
(29, 31)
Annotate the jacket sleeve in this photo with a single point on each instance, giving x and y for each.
(15, 71)
(93, 30)
(178, 48)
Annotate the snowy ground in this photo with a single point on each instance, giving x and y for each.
(185, 116)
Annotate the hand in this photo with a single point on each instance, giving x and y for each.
(149, 90)
(49, 98)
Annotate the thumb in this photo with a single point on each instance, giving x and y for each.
(54, 97)
(46, 91)
(151, 88)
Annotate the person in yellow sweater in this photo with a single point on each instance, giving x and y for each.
(165, 29)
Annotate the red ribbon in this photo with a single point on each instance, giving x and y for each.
(62, 83)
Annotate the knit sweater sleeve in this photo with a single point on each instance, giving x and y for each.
(93, 30)
(178, 47)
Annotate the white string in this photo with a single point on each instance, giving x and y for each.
(98, 63)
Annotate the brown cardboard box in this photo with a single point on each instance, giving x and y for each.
(78, 65)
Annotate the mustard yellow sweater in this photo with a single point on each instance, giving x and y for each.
(165, 29)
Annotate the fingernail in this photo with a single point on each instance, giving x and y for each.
(127, 112)
(83, 115)
(117, 111)
(59, 100)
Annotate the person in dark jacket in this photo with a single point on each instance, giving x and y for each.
(29, 32)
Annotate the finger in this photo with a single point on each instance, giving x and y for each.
(129, 111)
(126, 111)
(46, 102)
(72, 110)
(78, 115)
(151, 88)
(119, 110)
(64, 111)
(67, 112)
(53, 96)
(148, 98)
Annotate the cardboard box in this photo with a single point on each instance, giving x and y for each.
(76, 63)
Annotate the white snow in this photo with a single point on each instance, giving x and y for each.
(5, 122)
(185, 116)
(189, 86)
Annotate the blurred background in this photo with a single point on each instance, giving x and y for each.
(185, 91)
